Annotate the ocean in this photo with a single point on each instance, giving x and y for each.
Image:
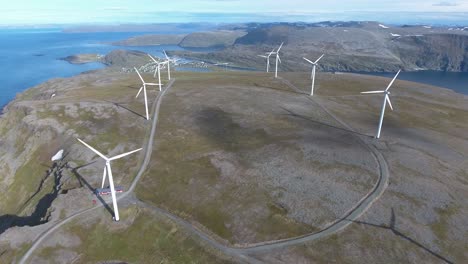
(31, 56)
(457, 81)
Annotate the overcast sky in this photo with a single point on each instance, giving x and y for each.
(147, 11)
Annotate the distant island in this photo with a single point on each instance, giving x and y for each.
(83, 58)
(204, 39)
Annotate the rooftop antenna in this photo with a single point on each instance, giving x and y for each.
(107, 168)
(386, 99)
(143, 88)
(312, 76)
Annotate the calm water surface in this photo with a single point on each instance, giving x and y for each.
(457, 81)
(30, 57)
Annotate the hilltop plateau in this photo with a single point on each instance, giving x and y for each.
(236, 167)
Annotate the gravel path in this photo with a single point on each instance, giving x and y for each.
(148, 152)
(242, 253)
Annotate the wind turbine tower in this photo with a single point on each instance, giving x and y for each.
(107, 168)
(168, 61)
(268, 59)
(314, 65)
(278, 60)
(386, 99)
(143, 88)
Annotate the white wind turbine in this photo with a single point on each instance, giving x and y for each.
(277, 59)
(107, 168)
(168, 61)
(386, 99)
(158, 70)
(268, 59)
(314, 65)
(225, 64)
(143, 88)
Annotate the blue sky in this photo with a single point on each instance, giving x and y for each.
(146, 11)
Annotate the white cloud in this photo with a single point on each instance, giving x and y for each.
(445, 4)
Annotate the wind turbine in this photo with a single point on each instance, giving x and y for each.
(107, 168)
(386, 99)
(168, 61)
(268, 59)
(143, 88)
(158, 70)
(314, 65)
(277, 59)
(225, 64)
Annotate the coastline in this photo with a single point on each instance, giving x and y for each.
(375, 74)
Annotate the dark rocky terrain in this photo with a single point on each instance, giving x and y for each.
(349, 46)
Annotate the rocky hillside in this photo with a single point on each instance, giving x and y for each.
(202, 39)
(151, 40)
(49, 117)
(446, 52)
(221, 38)
(355, 46)
(125, 58)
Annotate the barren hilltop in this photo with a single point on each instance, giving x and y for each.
(237, 167)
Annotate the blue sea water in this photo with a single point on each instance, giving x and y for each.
(457, 81)
(31, 56)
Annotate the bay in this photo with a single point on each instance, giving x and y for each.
(29, 57)
(456, 81)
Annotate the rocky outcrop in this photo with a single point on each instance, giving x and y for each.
(126, 58)
(204, 39)
(212, 39)
(151, 40)
(369, 47)
(445, 52)
(83, 58)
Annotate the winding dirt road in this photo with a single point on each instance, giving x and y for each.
(242, 253)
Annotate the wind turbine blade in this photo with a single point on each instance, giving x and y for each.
(141, 89)
(271, 53)
(279, 58)
(141, 78)
(319, 58)
(152, 84)
(394, 78)
(103, 177)
(388, 100)
(165, 54)
(280, 47)
(372, 92)
(94, 150)
(308, 60)
(123, 155)
(263, 56)
(111, 185)
(153, 58)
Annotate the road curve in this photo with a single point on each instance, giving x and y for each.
(353, 214)
(146, 160)
(242, 252)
